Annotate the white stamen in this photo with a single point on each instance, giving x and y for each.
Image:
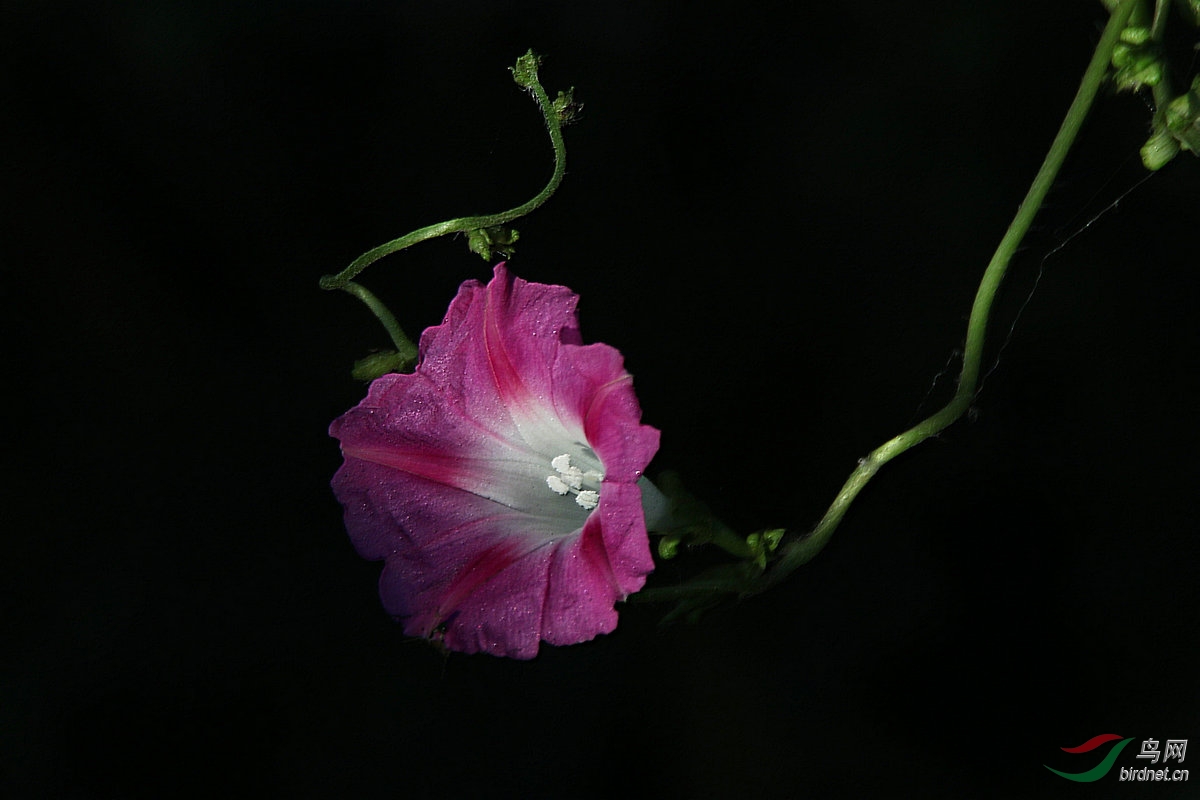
(570, 478)
(574, 477)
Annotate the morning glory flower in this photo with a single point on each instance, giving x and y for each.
(499, 482)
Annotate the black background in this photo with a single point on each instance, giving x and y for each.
(779, 212)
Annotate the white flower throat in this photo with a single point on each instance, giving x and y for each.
(568, 478)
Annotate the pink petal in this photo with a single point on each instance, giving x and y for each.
(445, 476)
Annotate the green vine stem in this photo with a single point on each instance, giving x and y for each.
(800, 551)
(405, 354)
(556, 113)
(803, 550)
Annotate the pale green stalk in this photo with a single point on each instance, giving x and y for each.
(742, 578)
(803, 550)
(527, 79)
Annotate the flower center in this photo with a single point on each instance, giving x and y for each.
(571, 479)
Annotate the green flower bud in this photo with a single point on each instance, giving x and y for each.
(668, 547)
(773, 538)
(1182, 116)
(1159, 149)
(1135, 35)
(566, 108)
(378, 364)
(489, 241)
(526, 69)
